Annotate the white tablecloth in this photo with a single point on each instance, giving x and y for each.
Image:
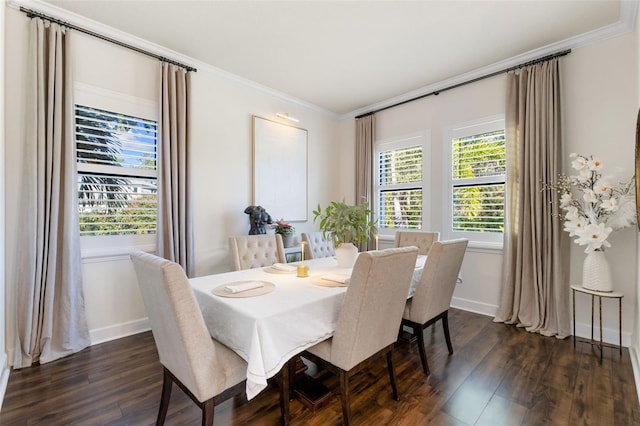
(270, 329)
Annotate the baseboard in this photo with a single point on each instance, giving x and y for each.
(117, 331)
(4, 376)
(609, 335)
(635, 365)
(473, 306)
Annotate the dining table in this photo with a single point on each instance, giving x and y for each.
(278, 315)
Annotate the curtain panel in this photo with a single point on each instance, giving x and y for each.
(535, 292)
(365, 137)
(50, 313)
(175, 211)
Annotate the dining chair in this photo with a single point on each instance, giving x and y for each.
(256, 251)
(317, 245)
(432, 298)
(206, 370)
(422, 240)
(369, 318)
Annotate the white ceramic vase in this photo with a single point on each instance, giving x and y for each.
(596, 274)
(346, 254)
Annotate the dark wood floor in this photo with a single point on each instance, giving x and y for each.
(498, 375)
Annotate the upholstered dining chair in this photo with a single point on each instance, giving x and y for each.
(432, 297)
(422, 240)
(256, 251)
(317, 245)
(206, 370)
(369, 319)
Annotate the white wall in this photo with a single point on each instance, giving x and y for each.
(600, 86)
(221, 172)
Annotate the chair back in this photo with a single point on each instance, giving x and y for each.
(372, 311)
(422, 240)
(317, 245)
(439, 276)
(256, 251)
(184, 344)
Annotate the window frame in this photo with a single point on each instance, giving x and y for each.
(470, 128)
(406, 141)
(105, 246)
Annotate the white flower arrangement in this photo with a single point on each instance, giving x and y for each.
(593, 206)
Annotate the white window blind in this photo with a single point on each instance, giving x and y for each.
(478, 182)
(399, 187)
(117, 172)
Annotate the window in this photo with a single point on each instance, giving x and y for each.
(399, 184)
(116, 156)
(477, 181)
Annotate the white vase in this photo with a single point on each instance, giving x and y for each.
(346, 254)
(596, 274)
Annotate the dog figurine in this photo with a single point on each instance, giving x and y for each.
(258, 218)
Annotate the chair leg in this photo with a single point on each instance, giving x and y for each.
(164, 397)
(284, 393)
(421, 350)
(445, 325)
(208, 408)
(346, 399)
(392, 375)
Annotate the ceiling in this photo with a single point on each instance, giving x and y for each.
(345, 56)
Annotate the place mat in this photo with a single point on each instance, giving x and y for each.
(318, 280)
(267, 288)
(273, 270)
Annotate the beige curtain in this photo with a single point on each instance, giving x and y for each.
(175, 212)
(365, 137)
(535, 292)
(50, 316)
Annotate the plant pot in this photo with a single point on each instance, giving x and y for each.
(287, 240)
(346, 254)
(596, 274)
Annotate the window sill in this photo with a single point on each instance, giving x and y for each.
(484, 247)
(110, 254)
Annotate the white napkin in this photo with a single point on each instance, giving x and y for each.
(249, 285)
(283, 267)
(338, 278)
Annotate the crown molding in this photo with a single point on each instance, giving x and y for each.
(624, 25)
(108, 31)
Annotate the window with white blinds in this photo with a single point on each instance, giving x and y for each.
(117, 172)
(478, 170)
(399, 184)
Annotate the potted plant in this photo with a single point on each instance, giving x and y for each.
(348, 225)
(286, 230)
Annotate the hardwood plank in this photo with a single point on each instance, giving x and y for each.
(498, 374)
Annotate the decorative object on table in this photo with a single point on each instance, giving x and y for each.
(303, 270)
(258, 218)
(594, 206)
(286, 230)
(348, 225)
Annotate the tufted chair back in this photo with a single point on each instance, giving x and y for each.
(317, 246)
(255, 251)
(422, 240)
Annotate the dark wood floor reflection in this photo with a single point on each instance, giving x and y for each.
(498, 375)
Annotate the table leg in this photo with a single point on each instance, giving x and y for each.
(592, 298)
(574, 317)
(600, 309)
(620, 325)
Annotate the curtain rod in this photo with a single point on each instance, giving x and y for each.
(473, 80)
(31, 13)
